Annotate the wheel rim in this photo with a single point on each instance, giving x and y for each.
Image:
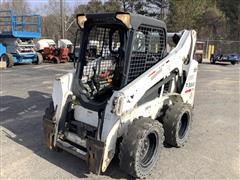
(149, 149)
(183, 125)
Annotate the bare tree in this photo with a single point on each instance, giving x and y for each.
(18, 7)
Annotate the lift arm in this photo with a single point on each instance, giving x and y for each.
(180, 56)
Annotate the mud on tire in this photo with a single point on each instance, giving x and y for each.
(141, 146)
(177, 124)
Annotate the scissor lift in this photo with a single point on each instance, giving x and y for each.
(16, 34)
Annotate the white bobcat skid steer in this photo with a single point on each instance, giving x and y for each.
(127, 96)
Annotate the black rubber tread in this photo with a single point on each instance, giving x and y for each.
(39, 58)
(130, 146)
(233, 62)
(171, 124)
(9, 59)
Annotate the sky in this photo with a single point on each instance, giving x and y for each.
(38, 3)
(37, 6)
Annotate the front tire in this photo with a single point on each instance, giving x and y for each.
(141, 146)
(39, 58)
(8, 58)
(177, 124)
(233, 62)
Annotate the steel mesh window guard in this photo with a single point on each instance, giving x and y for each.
(148, 49)
(100, 60)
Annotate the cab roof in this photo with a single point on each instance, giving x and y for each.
(135, 19)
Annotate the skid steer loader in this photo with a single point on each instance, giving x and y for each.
(127, 95)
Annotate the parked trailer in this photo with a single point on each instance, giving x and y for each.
(17, 34)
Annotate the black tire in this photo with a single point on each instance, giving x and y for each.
(49, 116)
(56, 52)
(8, 58)
(39, 58)
(212, 61)
(233, 62)
(141, 146)
(177, 124)
(200, 60)
(55, 60)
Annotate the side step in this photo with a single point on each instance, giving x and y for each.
(93, 156)
(72, 149)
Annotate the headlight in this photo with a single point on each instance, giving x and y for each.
(81, 19)
(125, 18)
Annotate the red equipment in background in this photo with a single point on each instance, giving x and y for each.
(55, 55)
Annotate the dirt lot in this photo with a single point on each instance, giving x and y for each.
(211, 153)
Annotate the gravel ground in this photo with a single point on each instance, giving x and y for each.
(212, 151)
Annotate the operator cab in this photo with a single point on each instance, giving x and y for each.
(115, 49)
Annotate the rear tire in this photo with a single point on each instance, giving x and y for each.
(233, 62)
(8, 58)
(39, 58)
(177, 124)
(141, 146)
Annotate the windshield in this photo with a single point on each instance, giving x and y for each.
(102, 57)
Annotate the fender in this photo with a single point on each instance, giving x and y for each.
(110, 146)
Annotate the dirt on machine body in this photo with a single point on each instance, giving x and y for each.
(128, 94)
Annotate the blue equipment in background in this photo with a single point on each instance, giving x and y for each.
(16, 35)
(2, 49)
